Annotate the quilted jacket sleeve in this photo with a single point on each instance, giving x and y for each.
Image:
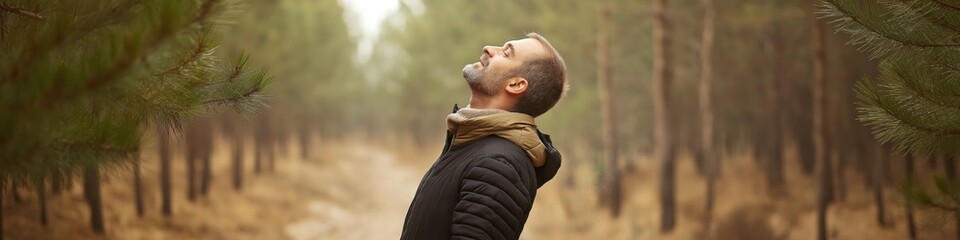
(494, 202)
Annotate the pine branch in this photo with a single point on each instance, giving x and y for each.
(915, 103)
(102, 147)
(160, 106)
(93, 82)
(247, 94)
(237, 71)
(844, 13)
(908, 7)
(116, 14)
(946, 65)
(936, 205)
(65, 139)
(202, 16)
(124, 63)
(876, 112)
(197, 52)
(921, 195)
(900, 118)
(205, 10)
(918, 92)
(21, 11)
(41, 48)
(946, 5)
(904, 121)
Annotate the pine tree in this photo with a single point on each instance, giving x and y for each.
(820, 130)
(138, 186)
(81, 81)
(313, 40)
(705, 100)
(198, 147)
(233, 130)
(913, 104)
(876, 181)
(3, 187)
(665, 149)
(612, 190)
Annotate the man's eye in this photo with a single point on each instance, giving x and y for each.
(507, 52)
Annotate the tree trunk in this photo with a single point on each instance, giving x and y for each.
(271, 154)
(199, 145)
(283, 145)
(664, 149)
(706, 113)
(820, 130)
(91, 189)
(237, 162)
(191, 163)
(165, 185)
(16, 194)
(3, 187)
(773, 150)
(877, 180)
(804, 138)
(911, 221)
(259, 141)
(56, 187)
(932, 162)
(265, 142)
(304, 144)
(841, 178)
(612, 174)
(40, 186)
(206, 177)
(257, 153)
(235, 135)
(137, 185)
(950, 169)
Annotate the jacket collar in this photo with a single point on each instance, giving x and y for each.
(544, 173)
(469, 124)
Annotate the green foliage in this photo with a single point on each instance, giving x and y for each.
(913, 105)
(413, 75)
(417, 63)
(941, 198)
(309, 47)
(81, 84)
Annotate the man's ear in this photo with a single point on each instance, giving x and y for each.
(516, 85)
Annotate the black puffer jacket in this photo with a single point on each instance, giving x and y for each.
(481, 189)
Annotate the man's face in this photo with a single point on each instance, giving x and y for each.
(486, 76)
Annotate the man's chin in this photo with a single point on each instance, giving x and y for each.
(474, 66)
(471, 69)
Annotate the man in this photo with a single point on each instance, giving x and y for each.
(484, 182)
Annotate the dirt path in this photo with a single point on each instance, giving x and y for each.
(347, 190)
(357, 190)
(366, 194)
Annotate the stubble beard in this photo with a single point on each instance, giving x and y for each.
(479, 80)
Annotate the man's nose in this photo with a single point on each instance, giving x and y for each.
(490, 51)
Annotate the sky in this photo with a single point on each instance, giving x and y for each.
(364, 18)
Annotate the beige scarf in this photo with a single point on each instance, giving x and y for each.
(470, 124)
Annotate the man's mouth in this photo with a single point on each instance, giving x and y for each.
(484, 60)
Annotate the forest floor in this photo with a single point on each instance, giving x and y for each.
(356, 190)
(745, 209)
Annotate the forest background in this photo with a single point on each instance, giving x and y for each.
(686, 119)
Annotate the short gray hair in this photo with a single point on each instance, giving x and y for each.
(546, 80)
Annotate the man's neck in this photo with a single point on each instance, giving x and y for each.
(489, 103)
